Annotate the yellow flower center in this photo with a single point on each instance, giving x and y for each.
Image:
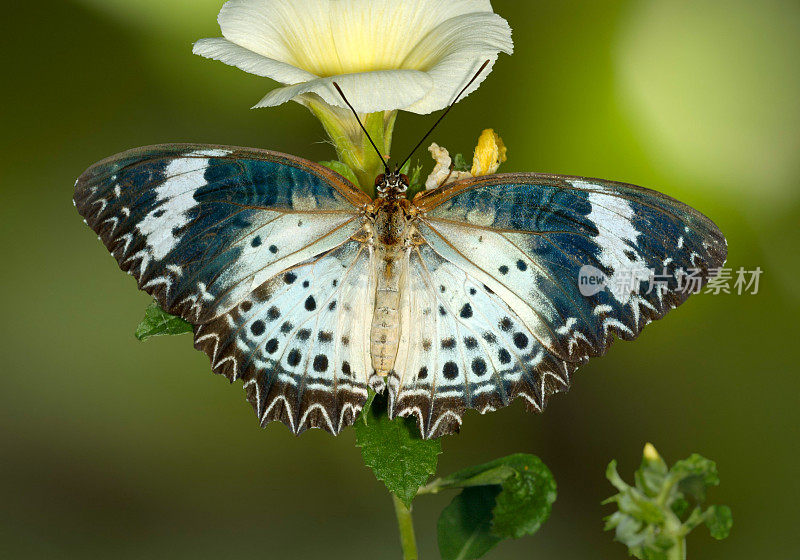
(344, 41)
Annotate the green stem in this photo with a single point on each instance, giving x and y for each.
(673, 527)
(433, 487)
(352, 146)
(664, 495)
(677, 552)
(405, 523)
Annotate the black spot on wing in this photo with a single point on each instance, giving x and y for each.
(504, 356)
(320, 363)
(311, 303)
(479, 366)
(294, 357)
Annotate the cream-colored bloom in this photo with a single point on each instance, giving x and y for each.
(413, 55)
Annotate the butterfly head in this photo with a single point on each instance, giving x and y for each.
(391, 184)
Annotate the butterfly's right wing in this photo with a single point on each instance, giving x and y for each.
(215, 234)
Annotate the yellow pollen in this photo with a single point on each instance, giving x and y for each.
(489, 154)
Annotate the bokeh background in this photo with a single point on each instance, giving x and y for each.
(112, 448)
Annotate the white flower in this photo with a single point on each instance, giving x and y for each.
(413, 55)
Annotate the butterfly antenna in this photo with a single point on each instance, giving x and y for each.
(475, 77)
(383, 161)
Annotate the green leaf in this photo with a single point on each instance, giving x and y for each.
(394, 450)
(695, 474)
(493, 472)
(697, 466)
(528, 491)
(613, 477)
(342, 169)
(526, 499)
(465, 526)
(680, 506)
(506, 498)
(460, 163)
(719, 521)
(158, 322)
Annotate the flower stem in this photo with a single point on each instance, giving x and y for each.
(352, 146)
(676, 529)
(405, 523)
(677, 552)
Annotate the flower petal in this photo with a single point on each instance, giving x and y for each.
(455, 50)
(368, 92)
(249, 61)
(332, 37)
(387, 54)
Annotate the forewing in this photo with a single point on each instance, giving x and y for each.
(207, 230)
(519, 242)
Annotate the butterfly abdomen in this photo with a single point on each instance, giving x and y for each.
(391, 260)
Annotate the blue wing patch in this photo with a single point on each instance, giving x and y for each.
(198, 226)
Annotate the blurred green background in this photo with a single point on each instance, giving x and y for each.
(112, 448)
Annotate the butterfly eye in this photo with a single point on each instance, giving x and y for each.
(404, 179)
(380, 179)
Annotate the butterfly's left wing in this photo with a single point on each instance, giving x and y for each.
(256, 250)
(494, 292)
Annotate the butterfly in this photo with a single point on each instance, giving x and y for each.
(466, 297)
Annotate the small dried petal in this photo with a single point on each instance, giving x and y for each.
(489, 154)
(442, 172)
